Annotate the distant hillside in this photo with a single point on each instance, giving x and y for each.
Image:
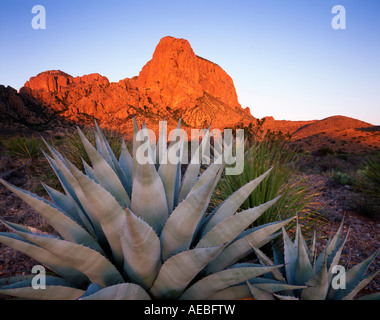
(338, 133)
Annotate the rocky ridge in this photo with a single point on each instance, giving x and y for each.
(174, 83)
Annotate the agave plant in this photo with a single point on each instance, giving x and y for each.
(129, 230)
(316, 273)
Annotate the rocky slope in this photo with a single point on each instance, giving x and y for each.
(339, 134)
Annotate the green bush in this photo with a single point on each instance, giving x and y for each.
(342, 178)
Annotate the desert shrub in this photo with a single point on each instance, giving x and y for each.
(366, 207)
(342, 178)
(323, 152)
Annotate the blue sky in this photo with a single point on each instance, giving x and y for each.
(285, 58)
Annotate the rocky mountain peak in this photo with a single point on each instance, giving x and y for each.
(175, 82)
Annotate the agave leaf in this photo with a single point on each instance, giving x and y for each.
(211, 171)
(290, 257)
(362, 284)
(43, 256)
(189, 180)
(265, 260)
(334, 258)
(331, 247)
(178, 231)
(176, 134)
(354, 277)
(215, 282)
(303, 267)
(60, 168)
(178, 271)
(372, 296)
(107, 151)
(105, 208)
(141, 248)
(238, 292)
(272, 286)
(101, 148)
(281, 297)
(95, 266)
(63, 201)
(123, 291)
(233, 202)
(91, 289)
(259, 294)
(56, 155)
(55, 289)
(14, 279)
(105, 174)
(313, 250)
(299, 239)
(152, 143)
(170, 173)
(228, 229)
(242, 291)
(126, 164)
(89, 171)
(318, 285)
(71, 187)
(240, 248)
(161, 147)
(23, 228)
(192, 170)
(64, 225)
(148, 197)
(136, 144)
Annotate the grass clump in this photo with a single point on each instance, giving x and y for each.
(24, 147)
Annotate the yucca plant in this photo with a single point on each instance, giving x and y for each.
(129, 230)
(258, 159)
(24, 147)
(303, 267)
(369, 177)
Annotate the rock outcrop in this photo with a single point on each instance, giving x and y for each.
(174, 83)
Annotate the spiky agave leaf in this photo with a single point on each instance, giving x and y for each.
(123, 291)
(141, 248)
(318, 276)
(55, 289)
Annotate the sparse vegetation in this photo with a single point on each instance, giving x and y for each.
(342, 178)
(24, 147)
(369, 172)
